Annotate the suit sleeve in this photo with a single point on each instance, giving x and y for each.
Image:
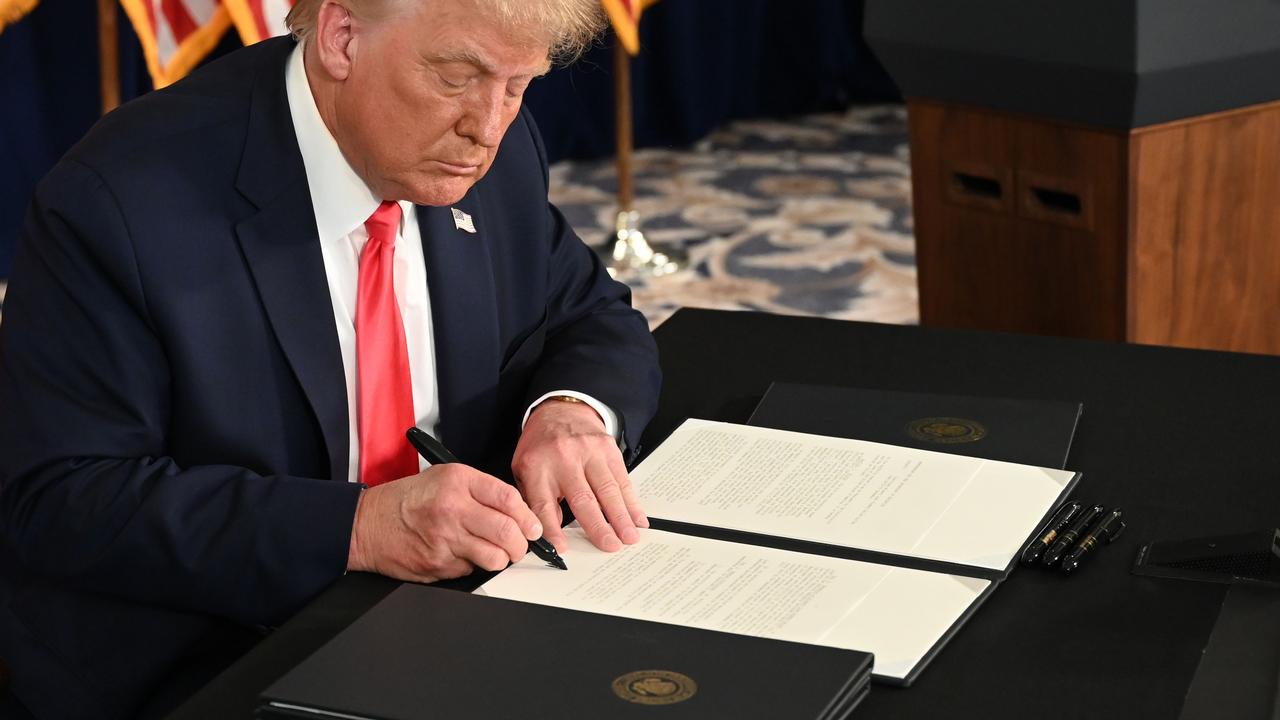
(88, 496)
(596, 342)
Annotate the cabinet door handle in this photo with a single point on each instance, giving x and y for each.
(977, 185)
(1065, 201)
(1057, 201)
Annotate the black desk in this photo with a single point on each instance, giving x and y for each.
(1182, 439)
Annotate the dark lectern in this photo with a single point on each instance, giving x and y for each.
(1099, 168)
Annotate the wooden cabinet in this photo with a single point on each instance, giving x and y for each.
(1164, 234)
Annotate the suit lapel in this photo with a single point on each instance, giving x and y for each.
(464, 316)
(282, 249)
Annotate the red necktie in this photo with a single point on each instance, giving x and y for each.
(384, 389)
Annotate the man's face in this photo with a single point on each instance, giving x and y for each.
(432, 90)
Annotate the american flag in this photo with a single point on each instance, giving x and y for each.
(177, 34)
(624, 15)
(259, 19)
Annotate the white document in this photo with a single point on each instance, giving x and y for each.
(845, 492)
(894, 613)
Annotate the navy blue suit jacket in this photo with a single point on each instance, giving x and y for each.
(173, 413)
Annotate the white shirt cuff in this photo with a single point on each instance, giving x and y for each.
(610, 418)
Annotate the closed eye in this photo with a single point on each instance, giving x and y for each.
(457, 83)
(451, 74)
(516, 88)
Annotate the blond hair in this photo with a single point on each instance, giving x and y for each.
(567, 26)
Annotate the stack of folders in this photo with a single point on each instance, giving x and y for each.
(431, 653)
(808, 538)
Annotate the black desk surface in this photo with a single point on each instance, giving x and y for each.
(1183, 440)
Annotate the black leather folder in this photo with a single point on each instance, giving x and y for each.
(426, 652)
(1030, 432)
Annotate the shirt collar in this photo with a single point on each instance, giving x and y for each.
(340, 199)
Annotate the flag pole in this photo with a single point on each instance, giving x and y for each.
(108, 55)
(631, 252)
(622, 122)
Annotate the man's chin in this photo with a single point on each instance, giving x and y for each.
(438, 193)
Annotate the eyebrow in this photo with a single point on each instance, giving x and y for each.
(471, 58)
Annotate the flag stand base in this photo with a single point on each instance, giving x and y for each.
(633, 255)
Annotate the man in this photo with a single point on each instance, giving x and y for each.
(233, 297)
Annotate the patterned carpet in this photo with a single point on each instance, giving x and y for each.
(806, 217)
(810, 216)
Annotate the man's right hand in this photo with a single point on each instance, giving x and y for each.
(440, 523)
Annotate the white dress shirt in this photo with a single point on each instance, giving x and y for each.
(342, 203)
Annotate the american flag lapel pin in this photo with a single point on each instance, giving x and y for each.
(462, 221)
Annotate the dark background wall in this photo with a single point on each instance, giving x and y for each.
(703, 62)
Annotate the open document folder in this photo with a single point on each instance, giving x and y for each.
(919, 540)
(896, 614)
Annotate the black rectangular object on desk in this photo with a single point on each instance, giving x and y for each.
(1226, 559)
(1030, 432)
(425, 652)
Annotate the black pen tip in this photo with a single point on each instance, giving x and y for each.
(557, 562)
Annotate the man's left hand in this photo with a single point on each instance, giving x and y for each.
(564, 452)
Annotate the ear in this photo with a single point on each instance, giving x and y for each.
(335, 39)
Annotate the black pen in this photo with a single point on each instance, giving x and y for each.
(1107, 528)
(1068, 538)
(1049, 533)
(437, 454)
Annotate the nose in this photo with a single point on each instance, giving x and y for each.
(483, 118)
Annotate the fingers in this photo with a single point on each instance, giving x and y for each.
(440, 523)
(582, 501)
(544, 503)
(591, 477)
(493, 493)
(629, 496)
(496, 529)
(485, 555)
(609, 494)
(472, 552)
(597, 501)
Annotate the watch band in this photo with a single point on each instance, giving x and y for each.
(567, 398)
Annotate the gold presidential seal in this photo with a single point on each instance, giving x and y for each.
(946, 430)
(654, 687)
